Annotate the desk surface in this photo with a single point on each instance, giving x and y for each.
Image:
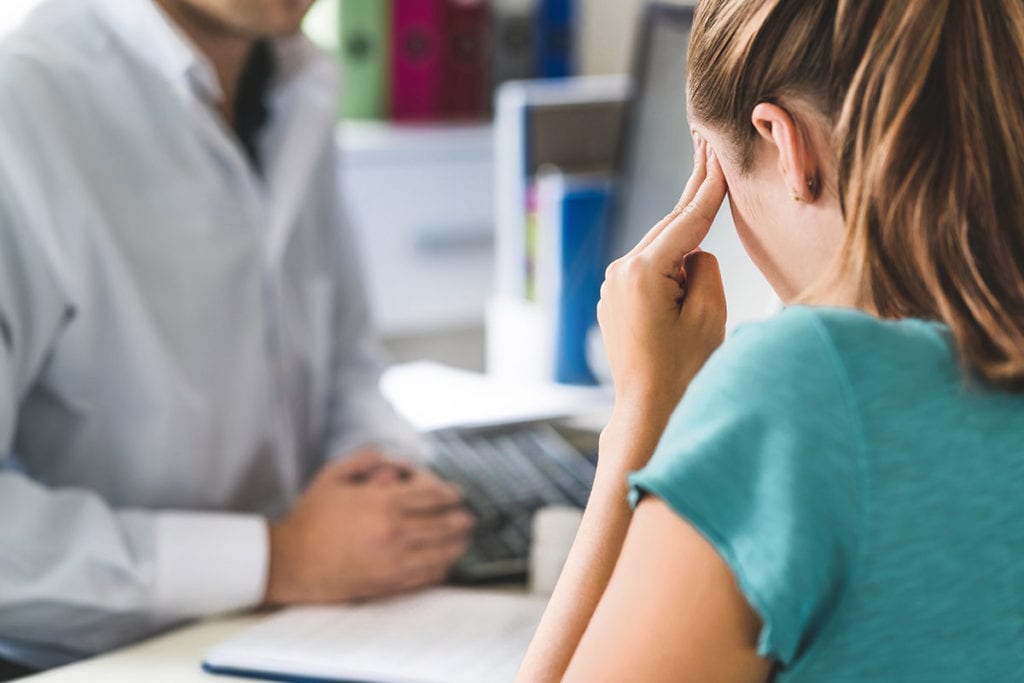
(173, 657)
(170, 658)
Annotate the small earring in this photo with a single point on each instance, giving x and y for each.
(812, 185)
(796, 196)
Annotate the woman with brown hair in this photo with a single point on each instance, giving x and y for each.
(834, 494)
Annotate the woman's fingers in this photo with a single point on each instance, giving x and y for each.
(700, 168)
(704, 305)
(700, 171)
(684, 233)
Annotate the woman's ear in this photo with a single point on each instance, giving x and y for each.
(797, 163)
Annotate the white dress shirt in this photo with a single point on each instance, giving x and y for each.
(183, 341)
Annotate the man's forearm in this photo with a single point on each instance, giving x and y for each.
(122, 574)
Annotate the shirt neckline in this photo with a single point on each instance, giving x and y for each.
(152, 36)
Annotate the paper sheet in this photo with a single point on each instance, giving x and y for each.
(433, 396)
(443, 635)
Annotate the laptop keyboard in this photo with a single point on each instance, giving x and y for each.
(506, 474)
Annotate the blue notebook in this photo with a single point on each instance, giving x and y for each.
(574, 216)
(556, 38)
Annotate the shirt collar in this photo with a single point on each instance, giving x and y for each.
(153, 37)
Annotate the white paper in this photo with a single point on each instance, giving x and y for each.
(443, 635)
(433, 396)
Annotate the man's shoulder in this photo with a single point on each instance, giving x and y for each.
(56, 47)
(49, 70)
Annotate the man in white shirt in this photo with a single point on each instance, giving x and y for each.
(184, 345)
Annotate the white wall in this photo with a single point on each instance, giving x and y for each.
(609, 27)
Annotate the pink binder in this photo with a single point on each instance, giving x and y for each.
(467, 59)
(417, 60)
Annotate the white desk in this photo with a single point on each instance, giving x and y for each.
(171, 658)
(174, 657)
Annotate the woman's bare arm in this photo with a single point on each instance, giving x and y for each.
(593, 557)
(672, 612)
(662, 314)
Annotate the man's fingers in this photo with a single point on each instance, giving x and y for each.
(432, 558)
(360, 464)
(425, 577)
(427, 501)
(429, 564)
(425, 493)
(700, 170)
(383, 475)
(424, 530)
(689, 228)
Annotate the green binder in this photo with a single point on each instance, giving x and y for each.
(364, 51)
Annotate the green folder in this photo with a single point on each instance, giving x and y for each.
(364, 51)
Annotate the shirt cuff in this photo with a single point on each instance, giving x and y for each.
(210, 563)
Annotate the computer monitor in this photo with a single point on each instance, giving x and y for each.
(656, 150)
(656, 158)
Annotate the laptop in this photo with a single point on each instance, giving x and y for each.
(506, 474)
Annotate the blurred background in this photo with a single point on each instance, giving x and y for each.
(483, 145)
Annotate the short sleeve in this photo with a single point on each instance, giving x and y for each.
(763, 458)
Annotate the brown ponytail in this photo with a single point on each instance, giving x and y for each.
(927, 102)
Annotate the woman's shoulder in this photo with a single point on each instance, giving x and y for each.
(792, 352)
(783, 373)
(804, 346)
(811, 369)
(798, 326)
(764, 457)
(791, 333)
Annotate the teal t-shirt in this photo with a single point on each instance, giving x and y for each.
(867, 495)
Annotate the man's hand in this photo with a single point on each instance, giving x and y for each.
(366, 527)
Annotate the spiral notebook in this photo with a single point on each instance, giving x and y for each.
(442, 635)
